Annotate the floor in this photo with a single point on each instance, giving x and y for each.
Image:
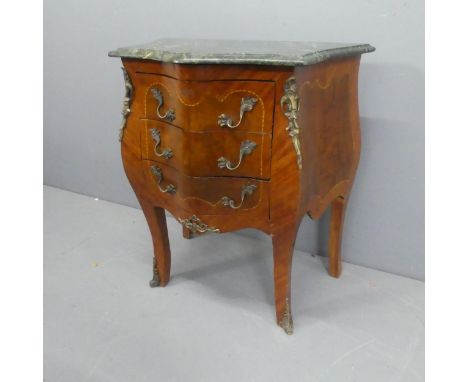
(215, 319)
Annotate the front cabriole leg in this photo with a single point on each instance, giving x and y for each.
(283, 248)
(156, 218)
(287, 167)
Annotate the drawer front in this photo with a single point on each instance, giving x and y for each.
(209, 196)
(201, 154)
(208, 105)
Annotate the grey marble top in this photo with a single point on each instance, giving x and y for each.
(287, 53)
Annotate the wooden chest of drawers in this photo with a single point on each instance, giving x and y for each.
(231, 135)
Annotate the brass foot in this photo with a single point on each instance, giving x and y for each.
(155, 282)
(286, 321)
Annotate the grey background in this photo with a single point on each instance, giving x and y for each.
(83, 91)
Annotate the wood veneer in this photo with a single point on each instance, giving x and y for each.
(329, 140)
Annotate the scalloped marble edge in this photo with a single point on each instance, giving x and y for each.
(162, 55)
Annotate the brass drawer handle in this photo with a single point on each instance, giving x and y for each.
(248, 189)
(247, 104)
(157, 172)
(170, 113)
(246, 148)
(156, 135)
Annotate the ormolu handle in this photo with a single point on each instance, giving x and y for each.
(248, 189)
(170, 113)
(246, 148)
(166, 153)
(247, 104)
(157, 172)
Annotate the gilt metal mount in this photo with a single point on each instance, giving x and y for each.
(194, 224)
(155, 282)
(126, 103)
(290, 107)
(286, 321)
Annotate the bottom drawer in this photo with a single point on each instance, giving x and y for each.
(207, 196)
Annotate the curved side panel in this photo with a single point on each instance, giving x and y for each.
(330, 132)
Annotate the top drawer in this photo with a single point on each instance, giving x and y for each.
(207, 105)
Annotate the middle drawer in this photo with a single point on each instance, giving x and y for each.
(205, 154)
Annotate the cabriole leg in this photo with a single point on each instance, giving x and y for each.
(283, 248)
(156, 219)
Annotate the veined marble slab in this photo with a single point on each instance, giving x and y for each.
(285, 53)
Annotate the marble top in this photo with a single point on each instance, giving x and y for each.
(286, 53)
